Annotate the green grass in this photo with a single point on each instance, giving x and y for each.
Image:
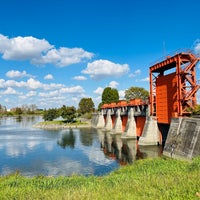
(62, 122)
(160, 178)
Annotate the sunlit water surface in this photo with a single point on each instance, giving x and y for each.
(87, 151)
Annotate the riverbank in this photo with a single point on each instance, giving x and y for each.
(55, 125)
(160, 178)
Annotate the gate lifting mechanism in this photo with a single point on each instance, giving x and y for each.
(173, 94)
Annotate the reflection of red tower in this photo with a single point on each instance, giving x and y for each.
(173, 94)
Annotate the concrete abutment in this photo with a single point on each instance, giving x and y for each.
(183, 140)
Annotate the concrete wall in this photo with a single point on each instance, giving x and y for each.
(183, 140)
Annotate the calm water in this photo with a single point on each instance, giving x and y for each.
(63, 152)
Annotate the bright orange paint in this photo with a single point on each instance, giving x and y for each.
(140, 121)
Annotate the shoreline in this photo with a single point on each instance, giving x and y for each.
(56, 126)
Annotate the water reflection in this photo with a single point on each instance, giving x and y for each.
(53, 153)
(67, 139)
(126, 150)
(64, 152)
(86, 136)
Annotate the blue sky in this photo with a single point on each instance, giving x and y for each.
(54, 53)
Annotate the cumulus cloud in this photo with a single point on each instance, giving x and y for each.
(31, 94)
(135, 73)
(23, 48)
(44, 95)
(80, 78)
(30, 84)
(8, 91)
(197, 46)
(40, 51)
(72, 90)
(121, 94)
(34, 84)
(48, 77)
(99, 90)
(100, 69)
(143, 80)
(64, 56)
(113, 84)
(16, 74)
(50, 94)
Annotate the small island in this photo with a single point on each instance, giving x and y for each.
(62, 124)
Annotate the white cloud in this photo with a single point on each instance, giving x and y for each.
(40, 51)
(72, 90)
(197, 46)
(23, 48)
(30, 84)
(31, 94)
(99, 91)
(52, 86)
(145, 79)
(198, 97)
(22, 97)
(48, 77)
(16, 74)
(100, 69)
(50, 94)
(121, 94)
(34, 84)
(113, 84)
(9, 90)
(80, 78)
(135, 73)
(64, 56)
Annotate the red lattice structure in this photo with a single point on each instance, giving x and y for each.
(173, 94)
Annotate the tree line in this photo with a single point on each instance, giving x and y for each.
(69, 113)
(85, 107)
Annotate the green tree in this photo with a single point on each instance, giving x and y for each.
(86, 105)
(196, 110)
(136, 93)
(18, 111)
(110, 95)
(68, 112)
(99, 106)
(50, 114)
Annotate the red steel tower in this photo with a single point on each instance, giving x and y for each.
(173, 87)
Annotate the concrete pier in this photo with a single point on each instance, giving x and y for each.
(130, 130)
(118, 123)
(150, 134)
(108, 125)
(100, 122)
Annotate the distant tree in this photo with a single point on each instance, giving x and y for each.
(18, 111)
(110, 95)
(135, 93)
(68, 112)
(196, 110)
(29, 109)
(86, 105)
(99, 106)
(2, 109)
(50, 114)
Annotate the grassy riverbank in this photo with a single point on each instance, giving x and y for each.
(146, 179)
(62, 124)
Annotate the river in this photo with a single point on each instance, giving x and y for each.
(31, 151)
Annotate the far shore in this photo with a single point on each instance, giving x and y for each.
(55, 125)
